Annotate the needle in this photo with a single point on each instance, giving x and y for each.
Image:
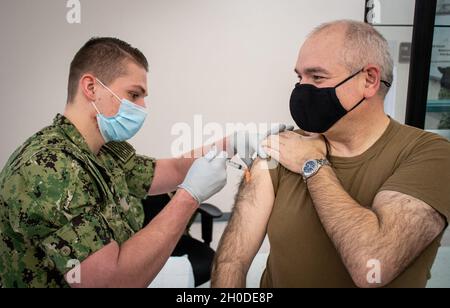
(247, 174)
(234, 165)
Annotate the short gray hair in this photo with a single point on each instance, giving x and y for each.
(363, 45)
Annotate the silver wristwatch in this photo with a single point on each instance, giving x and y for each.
(312, 166)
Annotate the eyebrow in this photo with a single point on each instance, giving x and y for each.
(313, 70)
(141, 89)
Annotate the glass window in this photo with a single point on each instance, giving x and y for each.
(438, 105)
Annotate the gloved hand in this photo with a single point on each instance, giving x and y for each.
(245, 144)
(207, 176)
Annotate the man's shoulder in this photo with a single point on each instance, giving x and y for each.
(43, 178)
(43, 167)
(418, 139)
(46, 146)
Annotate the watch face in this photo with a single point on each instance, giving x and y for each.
(310, 167)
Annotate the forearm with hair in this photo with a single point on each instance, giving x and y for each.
(383, 233)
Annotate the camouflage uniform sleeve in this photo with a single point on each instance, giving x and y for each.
(140, 177)
(75, 241)
(49, 206)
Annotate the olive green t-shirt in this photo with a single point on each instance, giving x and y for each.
(404, 159)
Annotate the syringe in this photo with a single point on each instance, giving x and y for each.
(234, 165)
(240, 167)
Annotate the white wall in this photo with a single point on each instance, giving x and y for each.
(228, 60)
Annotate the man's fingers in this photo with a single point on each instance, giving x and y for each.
(272, 141)
(248, 162)
(275, 130)
(222, 154)
(272, 153)
(211, 154)
(290, 127)
(220, 159)
(287, 134)
(261, 152)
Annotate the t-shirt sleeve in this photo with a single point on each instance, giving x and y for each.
(425, 174)
(140, 177)
(49, 208)
(275, 169)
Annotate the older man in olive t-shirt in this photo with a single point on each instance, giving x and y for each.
(363, 202)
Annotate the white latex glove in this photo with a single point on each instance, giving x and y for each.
(245, 144)
(207, 176)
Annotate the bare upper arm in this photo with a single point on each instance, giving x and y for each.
(248, 224)
(408, 224)
(256, 197)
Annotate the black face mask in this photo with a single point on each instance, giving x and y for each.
(316, 110)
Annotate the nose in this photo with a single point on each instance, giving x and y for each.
(306, 81)
(141, 102)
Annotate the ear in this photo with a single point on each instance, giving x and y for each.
(87, 86)
(441, 69)
(372, 79)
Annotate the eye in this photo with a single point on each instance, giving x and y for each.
(318, 78)
(133, 95)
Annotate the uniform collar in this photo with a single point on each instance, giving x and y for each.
(71, 132)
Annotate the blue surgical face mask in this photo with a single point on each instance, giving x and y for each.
(125, 124)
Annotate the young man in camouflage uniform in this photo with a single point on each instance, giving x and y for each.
(69, 197)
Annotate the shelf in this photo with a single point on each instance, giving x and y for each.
(438, 105)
